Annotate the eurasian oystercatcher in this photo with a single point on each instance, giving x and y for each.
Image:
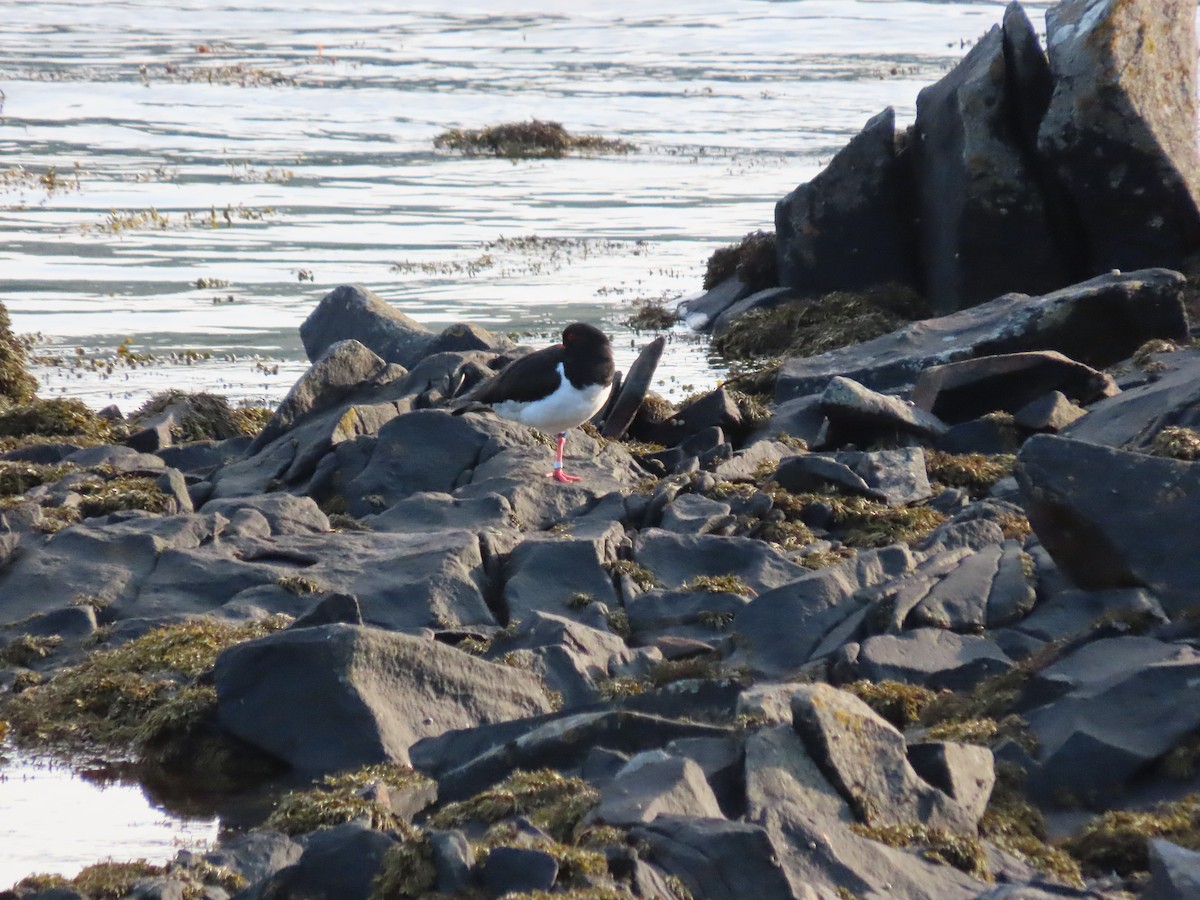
(554, 389)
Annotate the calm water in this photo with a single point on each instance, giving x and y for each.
(303, 131)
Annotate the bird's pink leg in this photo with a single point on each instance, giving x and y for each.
(557, 472)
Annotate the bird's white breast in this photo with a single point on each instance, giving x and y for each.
(564, 409)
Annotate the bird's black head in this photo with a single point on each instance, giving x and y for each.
(587, 355)
(582, 336)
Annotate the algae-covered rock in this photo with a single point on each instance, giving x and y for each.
(16, 384)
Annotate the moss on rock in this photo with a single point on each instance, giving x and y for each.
(16, 384)
(975, 473)
(752, 259)
(60, 417)
(203, 417)
(963, 852)
(1118, 840)
(553, 802)
(341, 798)
(811, 326)
(901, 704)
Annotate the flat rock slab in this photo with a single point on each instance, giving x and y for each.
(675, 559)
(932, 657)
(1113, 519)
(783, 779)
(959, 391)
(855, 412)
(864, 757)
(1098, 322)
(552, 573)
(654, 784)
(341, 696)
(1125, 702)
(1131, 419)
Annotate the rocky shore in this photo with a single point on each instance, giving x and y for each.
(915, 617)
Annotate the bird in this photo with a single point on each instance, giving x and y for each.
(554, 389)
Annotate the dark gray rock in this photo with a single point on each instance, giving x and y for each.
(675, 559)
(427, 511)
(123, 459)
(694, 514)
(782, 778)
(546, 573)
(799, 417)
(700, 312)
(864, 757)
(341, 369)
(353, 312)
(465, 336)
(1122, 703)
(898, 476)
(966, 772)
(716, 859)
(769, 298)
(1098, 322)
(340, 696)
(286, 514)
(1051, 412)
(931, 657)
(71, 623)
(1119, 134)
(518, 870)
(714, 409)
(815, 472)
(1174, 872)
(857, 413)
(958, 601)
(964, 390)
(453, 859)
(779, 630)
(466, 763)
(1131, 419)
(256, 854)
(848, 228)
(332, 609)
(653, 784)
(634, 388)
(1108, 538)
(655, 611)
(338, 863)
(983, 223)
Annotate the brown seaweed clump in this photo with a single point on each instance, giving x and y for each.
(534, 139)
(16, 384)
(752, 259)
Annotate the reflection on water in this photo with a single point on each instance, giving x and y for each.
(54, 818)
(286, 148)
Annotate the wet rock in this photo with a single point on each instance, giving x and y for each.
(340, 696)
(864, 758)
(858, 414)
(255, 855)
(1122, 703)
(1098, 322)
(959, 391)
(1119, 134)
(931, 657)
(983, 224)
(770, 298)
(700, 312)
(338, 863)
(1174, 871)
(847, 228)
(1051, 412)
(654, 784)
(1106, 538)
(353, 312)
(633, 390)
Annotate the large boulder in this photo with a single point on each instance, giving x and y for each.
(1113, 519)
(984, 227)
(1098, 322)
(1120, 132)
(341, 696)
(354, 311)
(847, 228)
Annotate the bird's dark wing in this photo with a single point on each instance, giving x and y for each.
(526, 379)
